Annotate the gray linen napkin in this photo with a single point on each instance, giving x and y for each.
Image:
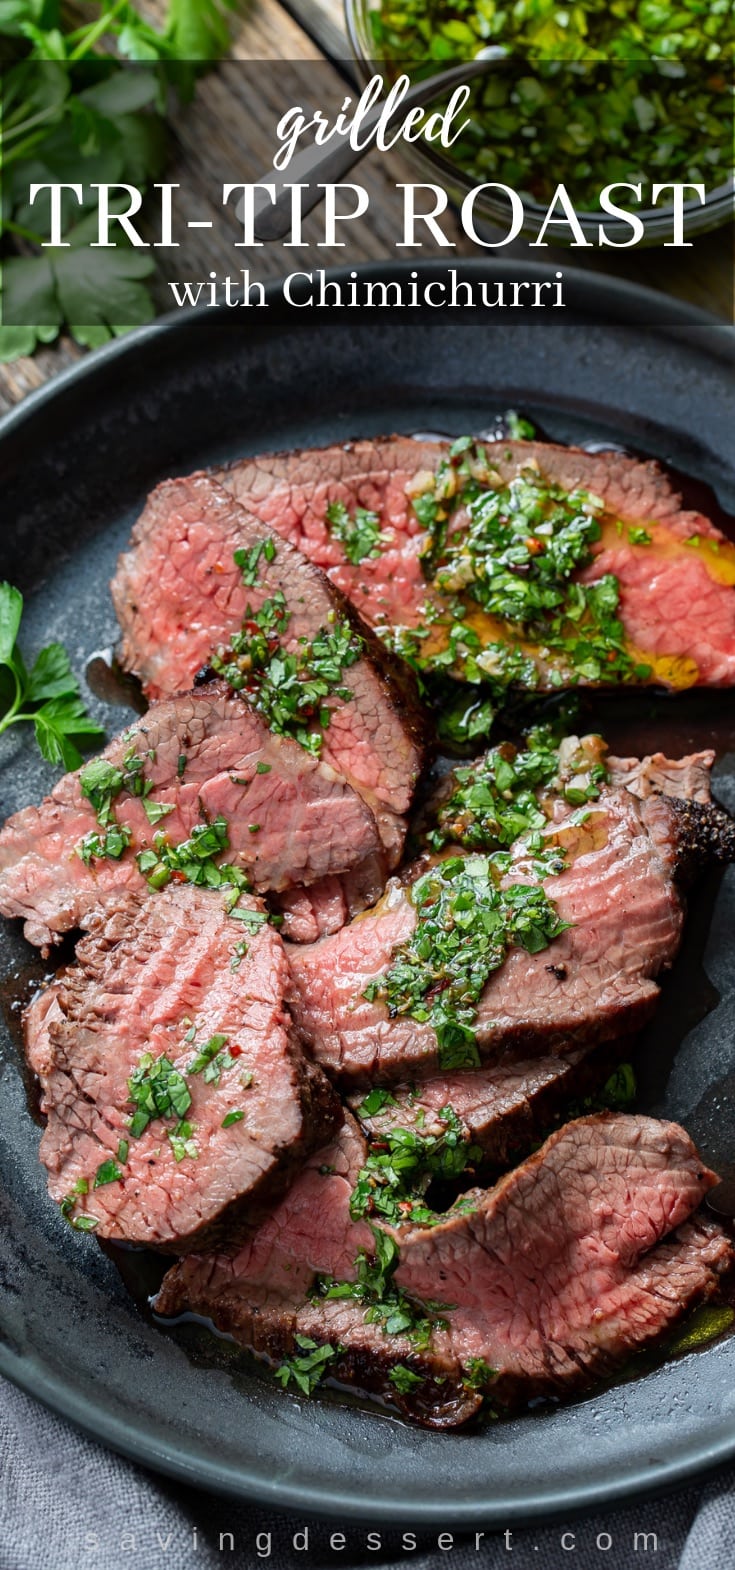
(68, 1504)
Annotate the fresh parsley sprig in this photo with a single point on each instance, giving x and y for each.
(72, 102)
(46, 696)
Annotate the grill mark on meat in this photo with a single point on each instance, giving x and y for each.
(311, 823)
(670, 605)
(583, 1255)
(145, 969)
(178, 594)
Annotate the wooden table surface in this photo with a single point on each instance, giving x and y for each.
(226, 117)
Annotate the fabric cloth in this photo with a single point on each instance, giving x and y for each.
(68, 1504)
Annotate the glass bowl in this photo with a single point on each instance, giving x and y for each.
(492, 211)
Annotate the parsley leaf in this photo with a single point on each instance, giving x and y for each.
(359, 535)
(308, 1367)
(404, 1380)
(46, 696)
(466, 924)
(73, 109)
(198, 29)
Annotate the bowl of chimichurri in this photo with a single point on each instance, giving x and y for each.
(634, 93)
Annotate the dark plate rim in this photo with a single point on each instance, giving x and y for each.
(613, 300)
(618, 299)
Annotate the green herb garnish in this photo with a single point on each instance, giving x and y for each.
(108, 846)
(384, 1303)
(108, 1172)
(195, 860)
(181, 1142)
(359, 534)
(478, 1374)
(212, 1060)
(232, 1117)
(157, 1090)
(46, 696)
(155, 810)
(466, 924)
(291, 690)
(404, 1379)
(393, 1182)
(495, 800)
(249, 560)
(308, 1367)
(375, 1101)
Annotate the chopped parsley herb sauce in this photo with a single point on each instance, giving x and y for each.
(108, 1172)
(194, 860)
(306, 1368)
(404, 1380)
(359, 534)
(466, 924)
(232, 1117)
(157, 1090)
(290, 689)
(385, 1305)
(212, 1060)
(181, 1142)
(478, 1374)
(589, 95)
(498, 798)
(249, 560)
(155, 810)
(399, 1168)
(515, 558)
(80, 1222)
(108, 846)
(101, 782)
(375, 1101)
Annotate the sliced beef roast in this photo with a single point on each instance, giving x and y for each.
(205, 757)
(501, 1111)
(586, 1253)
(595, 982)
(687, 779)
(179, 594)
(676, 600)
(174, 1086)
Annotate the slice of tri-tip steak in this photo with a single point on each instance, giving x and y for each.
(676, 593)
(501, 1112)
(686, 779)
(595, 982)
(172, 991)
(179, 594)
(585, 1254)
(208, 757)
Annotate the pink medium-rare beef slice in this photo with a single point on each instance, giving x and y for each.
(586, 1253)
(179, 594)
(595, 982)
(676, 601)
(173, 1016)
(205, 757)
(501, 1111)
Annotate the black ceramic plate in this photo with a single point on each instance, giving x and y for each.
(76, 461)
